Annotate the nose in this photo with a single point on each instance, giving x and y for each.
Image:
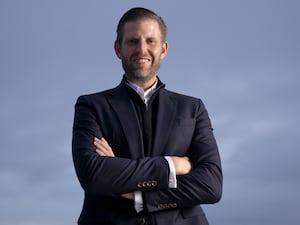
(141, 47)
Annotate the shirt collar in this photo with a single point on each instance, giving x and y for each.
(144, 94)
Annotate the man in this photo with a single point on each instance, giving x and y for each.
(143, 154)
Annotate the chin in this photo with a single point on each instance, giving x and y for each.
(141, 75)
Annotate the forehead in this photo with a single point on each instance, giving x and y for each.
(145, 27)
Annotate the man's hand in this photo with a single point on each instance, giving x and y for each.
(103, 148)
(182, 165)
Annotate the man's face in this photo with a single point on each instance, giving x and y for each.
(141, 50)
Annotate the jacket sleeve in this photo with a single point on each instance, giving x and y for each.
(110, 175)
(203, 185)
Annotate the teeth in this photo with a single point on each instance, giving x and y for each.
(141, 60)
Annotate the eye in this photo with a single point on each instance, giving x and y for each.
(151, 41)
(133, 41)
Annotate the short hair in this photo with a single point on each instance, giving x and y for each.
(136, 14)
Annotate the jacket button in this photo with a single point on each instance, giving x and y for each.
(163, 206)
(172, 205)
(142, 220)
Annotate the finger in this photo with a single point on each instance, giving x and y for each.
(104, 152)
(103, 146)
(110, 152)
(97, 142)
(107, 147)
(104, 149)
(103, 139)
(100, 152)
(105, 143)
(100, 144)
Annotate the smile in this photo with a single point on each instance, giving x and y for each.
(141, 60)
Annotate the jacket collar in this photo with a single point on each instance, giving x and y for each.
(125, 111)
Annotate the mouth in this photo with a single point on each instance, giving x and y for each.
(141, 60)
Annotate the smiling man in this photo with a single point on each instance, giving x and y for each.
(144, 154)
(141, 49)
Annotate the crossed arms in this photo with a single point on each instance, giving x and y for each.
(182, 164)
(100, 172)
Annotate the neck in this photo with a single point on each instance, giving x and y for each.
(142, 83)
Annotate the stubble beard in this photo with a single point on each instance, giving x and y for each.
(140, 74)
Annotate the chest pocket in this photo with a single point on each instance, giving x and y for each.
(181, 135)
(186, 127)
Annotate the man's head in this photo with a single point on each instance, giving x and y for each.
(141, 45)
(138, 14)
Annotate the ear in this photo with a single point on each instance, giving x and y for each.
(164, 52)
(117, 48)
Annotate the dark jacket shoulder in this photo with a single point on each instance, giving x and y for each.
(182, 98)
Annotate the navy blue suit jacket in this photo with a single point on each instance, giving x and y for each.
(183, 128)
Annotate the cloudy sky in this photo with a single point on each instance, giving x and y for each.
(241, 57)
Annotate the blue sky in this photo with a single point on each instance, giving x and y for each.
(241, 57)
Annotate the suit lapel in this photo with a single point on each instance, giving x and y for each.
(126, 113)
(166, 113)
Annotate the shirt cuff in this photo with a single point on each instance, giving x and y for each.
(172, 174)
(138, 201)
